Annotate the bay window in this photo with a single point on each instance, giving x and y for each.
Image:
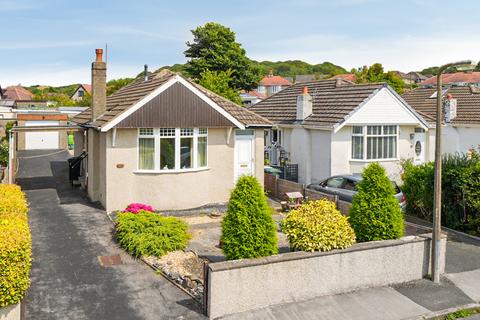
(377, 142)
(167, 149)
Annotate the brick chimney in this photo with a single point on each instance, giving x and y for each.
(304, 105)
(99, 85)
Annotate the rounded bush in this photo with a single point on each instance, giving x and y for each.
(15, 245)
(318, 226)
(375, 213)
(150, 234)
(248, 229)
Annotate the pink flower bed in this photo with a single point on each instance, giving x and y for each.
(137, 207)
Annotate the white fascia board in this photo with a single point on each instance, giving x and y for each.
(210, 102)
(403, 103)
(164, 87)
(139, 104)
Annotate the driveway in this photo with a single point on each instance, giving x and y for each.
(69, 233)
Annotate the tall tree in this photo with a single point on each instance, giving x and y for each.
(375, 73)
(218, 82)
(214, 48)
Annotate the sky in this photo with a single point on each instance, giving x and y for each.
(52, 42)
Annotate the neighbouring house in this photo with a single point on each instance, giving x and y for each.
(411, 78)
(345, 76)
(454, 79)
(21, 96)
(6, 114)
(81, 91)
(461, 131)
(331, 127)
(250, 98)
(272, 84)
(166, 141)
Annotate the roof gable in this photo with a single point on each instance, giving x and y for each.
(176, 106)
(383, 107)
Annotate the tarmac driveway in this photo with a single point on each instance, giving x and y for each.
(69, 233)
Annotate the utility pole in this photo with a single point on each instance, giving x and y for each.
(437, 204)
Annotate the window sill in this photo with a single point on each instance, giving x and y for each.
(170, 171)
(375, 160)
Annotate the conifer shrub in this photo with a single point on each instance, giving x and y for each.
(318, 226)
(150, 234)
(248, 229)
(375, 213)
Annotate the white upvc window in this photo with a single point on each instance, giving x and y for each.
(172, 149)
(276, 89)
(375, 142)
(261, 89)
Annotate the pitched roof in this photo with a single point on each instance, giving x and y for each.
(458, 77)
(132, 93)
(332, 101)
(272, 80)
(87, 87)
(468, 103)
(345, 76)
(17, 93)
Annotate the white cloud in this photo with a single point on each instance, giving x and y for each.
(7, 6)
(395, 53)
(43, 44)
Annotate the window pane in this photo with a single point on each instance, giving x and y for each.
(186, 132)
(357, 147)
(186, 158)
(146, 131)
(146, 156)
(374, 130)
(393, 147)
(167, 153)
(167, 132)
(357, 130)
(202, 151)
(202, 131)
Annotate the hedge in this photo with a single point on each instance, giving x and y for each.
(150, 234)
(248, 229)
(460, 191)
(15, 245)
(318, 226)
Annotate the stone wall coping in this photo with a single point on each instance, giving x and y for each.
(299, 255)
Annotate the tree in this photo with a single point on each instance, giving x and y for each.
(218, 82)
(214, 49)
(248, 229)
(375, 74)
(375, 213)
(115, 84)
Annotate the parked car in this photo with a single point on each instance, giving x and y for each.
(345, 187)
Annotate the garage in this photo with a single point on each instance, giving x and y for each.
(35, 140)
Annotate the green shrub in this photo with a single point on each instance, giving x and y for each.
(15, 245)
(4, 153)
(460, 191)
(248, 229)
(150, 234)
(375, 213)
(12, 202)
(318, 226)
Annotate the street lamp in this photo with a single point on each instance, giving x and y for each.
(437, 204)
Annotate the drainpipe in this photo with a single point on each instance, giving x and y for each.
(11, 165)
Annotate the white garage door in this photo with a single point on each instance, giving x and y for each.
(41, 139)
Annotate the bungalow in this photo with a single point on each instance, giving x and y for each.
(331, 127)
(461, 130)
(166, 141)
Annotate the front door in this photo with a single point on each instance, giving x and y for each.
(419, 146)
(244, 153)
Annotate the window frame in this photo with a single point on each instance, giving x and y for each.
(178, 134)
(365, 135)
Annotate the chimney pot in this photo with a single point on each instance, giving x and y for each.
(99, 53)
(305, 90)
(145, 72)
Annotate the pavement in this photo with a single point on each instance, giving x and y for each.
(68, 282)
(69, 233)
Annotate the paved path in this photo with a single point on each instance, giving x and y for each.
(68, 235)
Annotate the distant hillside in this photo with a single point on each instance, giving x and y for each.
(289, 68)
